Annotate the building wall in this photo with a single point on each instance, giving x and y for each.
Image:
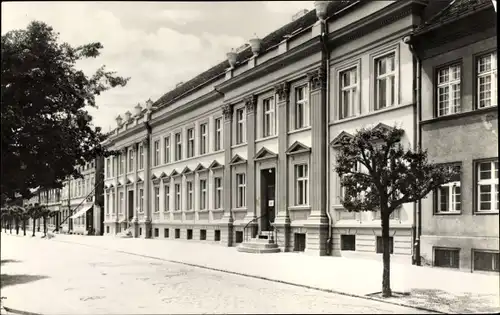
(463, 138)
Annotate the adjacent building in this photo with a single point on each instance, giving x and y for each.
(248, 148)
(458, 113)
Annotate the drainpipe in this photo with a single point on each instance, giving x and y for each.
(417, 208)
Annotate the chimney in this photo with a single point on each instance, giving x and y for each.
(299, 14)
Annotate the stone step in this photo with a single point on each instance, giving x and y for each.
(258, 245)
(246, 249)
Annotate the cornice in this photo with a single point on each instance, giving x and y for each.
(271, 65)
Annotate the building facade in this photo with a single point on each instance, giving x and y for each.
(459, 127)
(248, 148)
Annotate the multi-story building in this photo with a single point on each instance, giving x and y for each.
(457, 53)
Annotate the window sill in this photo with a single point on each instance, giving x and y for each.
(299, 130)
(460, 115)
(371, 113)
(203, 211)
(448, 213)
(239, 209)
(189, 211)
(266, 138)
(299, 208)
(486, 212)
(239, 145)
(217, 210)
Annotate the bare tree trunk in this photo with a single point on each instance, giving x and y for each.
(386, 256)
(10, 226)
(17, 226)
(24, 227)
(38, 229)
(45, 225)
(34, 226)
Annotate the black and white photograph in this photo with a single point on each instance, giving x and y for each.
(249, 157)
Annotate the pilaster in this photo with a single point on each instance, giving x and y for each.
(125, 199)
(282, 221)
(146, 186)
(317, 225)
(226, 235)
(135, 230)
(251, 104)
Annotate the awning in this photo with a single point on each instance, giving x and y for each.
(86, 207)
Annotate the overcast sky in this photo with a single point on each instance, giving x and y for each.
(157, 44)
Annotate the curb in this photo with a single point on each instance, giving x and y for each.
(263, 278)
(15, 311)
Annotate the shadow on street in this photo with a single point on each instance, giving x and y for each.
(9, 280)
(6, 261)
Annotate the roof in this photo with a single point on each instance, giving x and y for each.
(269, 41)
(454, 11)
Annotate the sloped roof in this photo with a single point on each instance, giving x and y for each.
(269, 41)
(454, 11)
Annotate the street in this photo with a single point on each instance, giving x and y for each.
(48, 276)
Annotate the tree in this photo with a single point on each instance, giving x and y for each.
(25, 216)
(35, 213)
(46, 130)
(379, 174)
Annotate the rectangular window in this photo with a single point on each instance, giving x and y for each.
(240, 126)
(301, 185)
(165, 233)
(130, 153)
(217, 235)
(189, 195)
(156, 156)
(177, 188)
(348, 94)
(121, 200)
(203, 138)
(108, 200)
(108, 167)
(190, 142)
(269, 122)
(178, 147)
(218, 134)
(218, 192)
(166, 150)
(486, 260)
(448, 90)
(385, 81)
(240, 190)
(487, 80)
(203, 235)
(141, 156)
(449, 195)
(301, 107)
(167, 198)
(348, 242)
(446, 257)
(157, 198)
(380, 245)
(113, 203)
(114, 166)
(122, 164)
(141, 200)
(203, 194)
(177, 233)
(487, 186)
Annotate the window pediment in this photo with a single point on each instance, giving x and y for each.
(215, 165)
(174, 173)
(337, 142)
(163, 175)
(237, 160)
(200, 168)
(186, 171)
(297, 148)
(264, 154)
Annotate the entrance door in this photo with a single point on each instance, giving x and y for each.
(130, 204)
(268, 188)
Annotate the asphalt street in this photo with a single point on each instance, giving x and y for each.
(51, 277)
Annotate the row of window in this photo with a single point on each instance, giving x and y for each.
(448, 85)
(348, 243)
(80, 187)
(449, 198)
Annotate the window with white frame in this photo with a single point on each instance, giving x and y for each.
(156, 156)
(218, 134)
(178, 146)
(190, 142)
(348, 94)
(166, 150)
(141, 156)
(269, 121)
(486, 260)
(121, 200)
(203, 138)
(203, 194)
(301, 107)
(177, 201)
(141, 200)
(112, 203)
(487, 186)
(166, 190)
(449, 195)
(240, 125)
(122, 164)
(385, 81)
(108, 200)
(130, 153)
(108, 167)
(114, 166)
(301, 184)
(487, 80)
(448, 90)
(447, 257)
(240, 190)
(189, 195)
(157, 198)
(218, 192)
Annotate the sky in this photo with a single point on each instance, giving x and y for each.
(156, 44)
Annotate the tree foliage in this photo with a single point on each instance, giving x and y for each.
(46, 130)
(379, 174)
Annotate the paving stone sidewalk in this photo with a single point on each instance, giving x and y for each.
(437, 289)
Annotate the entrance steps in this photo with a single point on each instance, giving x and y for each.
(261, 244)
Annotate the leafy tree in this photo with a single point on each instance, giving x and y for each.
(379, 174)
(35, 212)
(46, 130)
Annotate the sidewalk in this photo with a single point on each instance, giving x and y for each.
(436, 289)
